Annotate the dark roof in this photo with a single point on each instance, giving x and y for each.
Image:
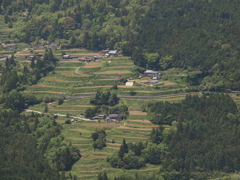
(113, 115)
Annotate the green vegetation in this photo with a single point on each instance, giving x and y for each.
(165, 134)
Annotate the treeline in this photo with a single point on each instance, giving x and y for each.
(204, 137)
(32, 147)
(14, 79)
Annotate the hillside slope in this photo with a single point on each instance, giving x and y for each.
(194, 35)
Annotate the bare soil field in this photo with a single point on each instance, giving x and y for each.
(145, 121)
(92, 66)
(138, 113)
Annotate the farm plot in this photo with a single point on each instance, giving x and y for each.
(114, 72)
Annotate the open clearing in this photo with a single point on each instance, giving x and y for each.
(138, 113)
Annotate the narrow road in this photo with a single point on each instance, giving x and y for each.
(127, 96)
(39, 112)
(76, 71)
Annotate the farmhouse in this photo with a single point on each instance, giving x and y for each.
(103, 52)
(97, 58)
(52, 45)
(114, 117)
(99, 117)
(31, 57)
(113, 53)
(11, 46)
(85, 59)
(152, 73)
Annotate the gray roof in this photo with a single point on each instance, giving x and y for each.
(112, 52)
(150, 72)
(113, 115)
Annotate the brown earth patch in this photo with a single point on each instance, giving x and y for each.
(138, 113)
(145, 121)
(92, 66)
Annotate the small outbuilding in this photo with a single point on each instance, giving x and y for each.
(129, 83)
(113, 53)
(66, 57)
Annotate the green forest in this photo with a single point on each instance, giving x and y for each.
(196, 138)
(200, 36)
(204, 138)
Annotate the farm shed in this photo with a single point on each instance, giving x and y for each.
(129, 83)
(152, 73)
(114, 117)
(113, 52)
(66, 57)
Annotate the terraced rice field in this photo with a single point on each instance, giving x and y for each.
(91, 78)
(114, 72)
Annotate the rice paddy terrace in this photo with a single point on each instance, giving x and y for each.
(74, 78)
